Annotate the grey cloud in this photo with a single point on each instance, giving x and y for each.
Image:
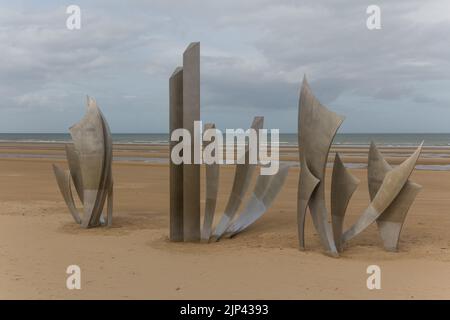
(254, 55)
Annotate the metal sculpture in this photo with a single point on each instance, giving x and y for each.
(265, 191)
(185, 178)
(392, 183)
(390, 222)
(89, 160)
(242, 178)
(391, 192)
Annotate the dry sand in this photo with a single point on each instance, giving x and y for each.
(134, 259)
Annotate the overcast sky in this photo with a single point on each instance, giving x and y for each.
(253, 57)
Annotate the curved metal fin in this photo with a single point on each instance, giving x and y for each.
(63, 180)
(317, 128)
(242, 178)
(392, 184)
(276, 184)
(75, 170)
(106, 177)
(307, 184)
(89, 142)
(266, 190)
(110, 202)
(377, 168)
(212, 187)
(343, 185)
(390, 222)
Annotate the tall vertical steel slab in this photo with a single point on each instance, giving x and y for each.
(191, 113)
(176, 170)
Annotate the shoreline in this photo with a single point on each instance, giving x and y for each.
(433, 158)
(281, 144)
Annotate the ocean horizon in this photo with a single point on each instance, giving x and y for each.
(286, 139)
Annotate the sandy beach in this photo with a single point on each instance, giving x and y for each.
(134, 259)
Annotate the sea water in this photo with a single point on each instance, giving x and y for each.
(286, 139)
